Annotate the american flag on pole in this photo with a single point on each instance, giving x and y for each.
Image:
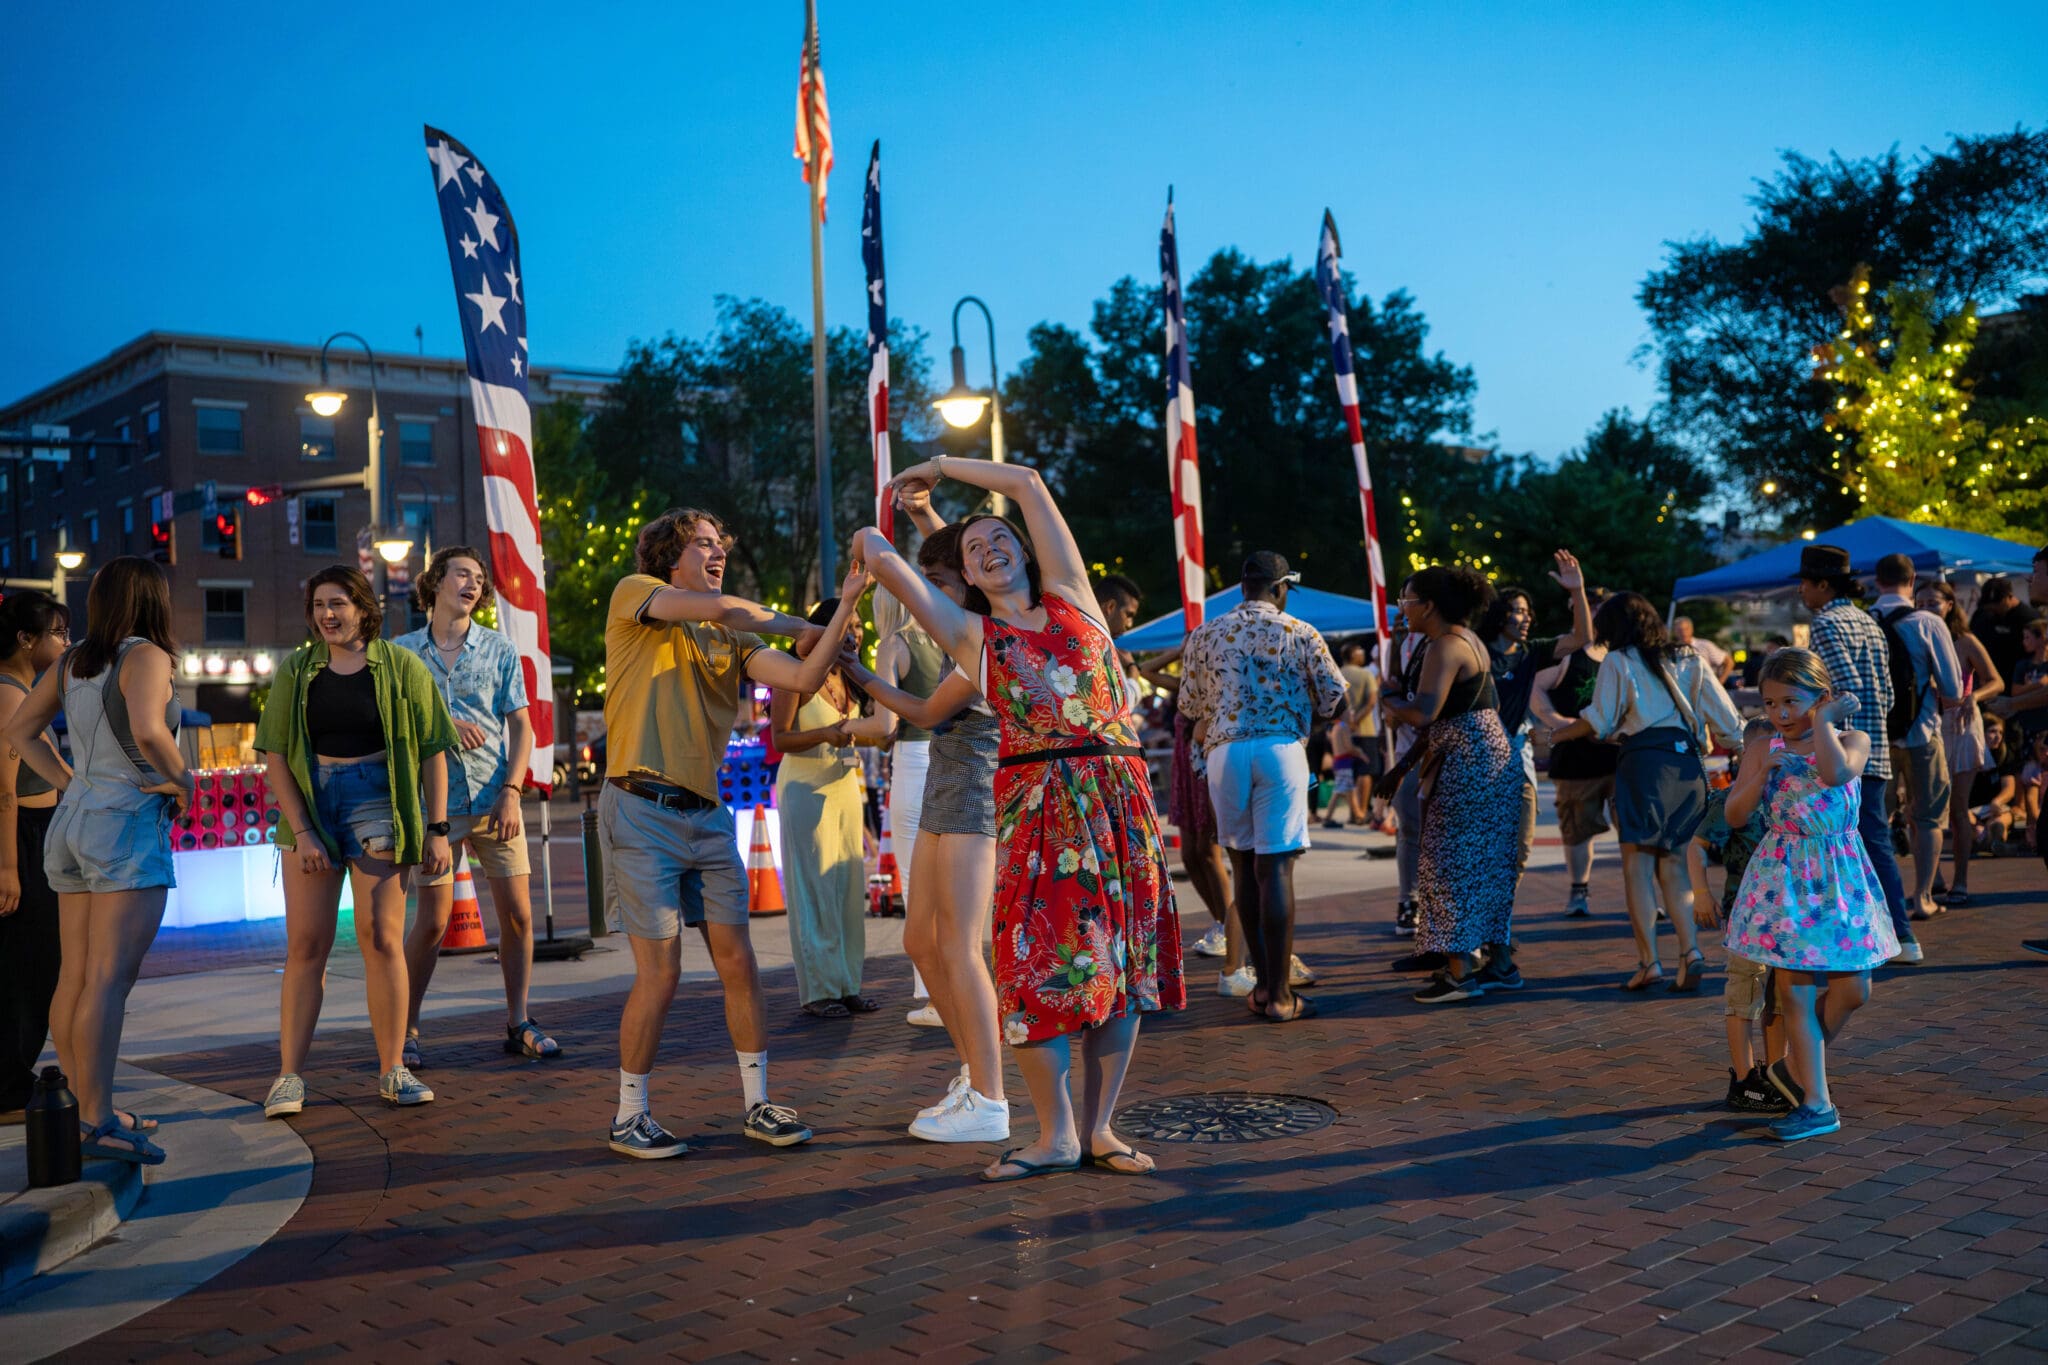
(1330, 284)
(1183, 471)
(813, 119)
(483, 250)
(878, 340)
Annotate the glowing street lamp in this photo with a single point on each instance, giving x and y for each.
(69, 560)
(326, 402)
(393, 549)
(960, 406)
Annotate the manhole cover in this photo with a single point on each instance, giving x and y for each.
(1224, 1118)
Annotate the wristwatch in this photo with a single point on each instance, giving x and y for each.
(440, 827)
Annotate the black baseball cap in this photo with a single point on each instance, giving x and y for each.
(1269, 566)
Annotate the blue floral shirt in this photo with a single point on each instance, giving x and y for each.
(484, 687)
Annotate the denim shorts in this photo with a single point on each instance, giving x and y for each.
(95, 849)
(352, 801)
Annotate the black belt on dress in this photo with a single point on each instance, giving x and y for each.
(662, 794)
(1073, 751)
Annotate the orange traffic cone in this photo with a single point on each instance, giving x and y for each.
(764, 884)
(886, 869)
(466, 925)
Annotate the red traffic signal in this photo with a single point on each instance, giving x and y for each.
(264, 493)
(227, 526)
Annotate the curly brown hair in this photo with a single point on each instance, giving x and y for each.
(663, 540)
(428, 584)
(351, 581)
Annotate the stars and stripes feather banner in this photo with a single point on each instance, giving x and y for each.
(1184, 473)
(1330, 283)
(483, 251)
(813, 118)
(878, 341)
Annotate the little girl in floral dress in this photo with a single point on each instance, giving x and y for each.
(1810, 904)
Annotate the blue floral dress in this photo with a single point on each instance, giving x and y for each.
(1810, 900)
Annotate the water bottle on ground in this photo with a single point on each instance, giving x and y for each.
(52, 1121)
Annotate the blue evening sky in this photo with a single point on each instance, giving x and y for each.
(258, 171)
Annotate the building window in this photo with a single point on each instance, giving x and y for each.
(29, 547)
(127, 524)
(90, 465)
(92, 528)
(316, 437)
(416, 443)
(123, 434)
(418, 520)
(319, 520)
(220, 431)
(6, 554)
(153, 432)
(28, 482)
(56, 477)
(227, 616)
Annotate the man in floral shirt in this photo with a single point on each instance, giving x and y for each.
(1257, 679)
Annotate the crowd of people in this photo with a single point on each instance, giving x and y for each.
(1023, 806)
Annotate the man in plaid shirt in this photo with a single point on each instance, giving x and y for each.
(1852, 645)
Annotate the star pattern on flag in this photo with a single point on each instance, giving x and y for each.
(486, 222)
(490, 307)
(512, 283)
(447, 163)
(468, 245)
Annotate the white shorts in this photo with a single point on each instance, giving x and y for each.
(1259, 788)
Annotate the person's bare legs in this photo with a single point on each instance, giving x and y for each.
(920, 929)
(74, 944)
(657, 967)
(1962, 831)
(122, 926)
(512, 902)
(1578, 862)
(1046, 1066)
(1361, 798)
(1106, 1054)
(1741, 1045)
(311, 903)
(739, 977)
(1846, 993)
(433, 906)
(966, 871)
(1677, 902)
(1926, 839)
(1275, 873)
(1639, 887)
(379, 887)
(1806, 1048)
(1244, 880)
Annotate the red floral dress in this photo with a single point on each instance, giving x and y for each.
(1085, 928)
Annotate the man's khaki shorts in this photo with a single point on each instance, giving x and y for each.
(489, 855)
(1921, 784)
(1748, 993)
(1582, 804)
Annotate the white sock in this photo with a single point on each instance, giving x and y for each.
(632, 1096)
(753, 1077)
(917, 988)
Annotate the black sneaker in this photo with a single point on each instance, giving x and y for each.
(2035, 945)
(1499, 974)
(1420, 962)
(1752, 1094)
(1404, 920)
(642, 1137)
(775, 1125)
(1445, 989)
(1781, 1081)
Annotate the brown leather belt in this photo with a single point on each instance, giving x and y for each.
(662, 794)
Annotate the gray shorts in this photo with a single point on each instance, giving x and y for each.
(666, 869)
(97, 850)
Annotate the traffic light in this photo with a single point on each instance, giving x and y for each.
(163, 541)
(227, 525)
(263, 494)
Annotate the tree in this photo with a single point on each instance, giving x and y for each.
(1733, 324)
(1907, 442)
(587, 532)
(1276, 466)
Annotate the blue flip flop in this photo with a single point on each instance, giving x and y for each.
(92, 1147)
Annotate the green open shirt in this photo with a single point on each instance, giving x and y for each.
(416, 727)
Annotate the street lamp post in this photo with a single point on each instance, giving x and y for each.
(961, 406)
(391, 549)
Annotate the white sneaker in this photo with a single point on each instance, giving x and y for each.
(972, 1117)
(1298, 973)
(1212, 944)
(1911, 953)
(924, 1016)
(953, 1089)
(1238, 984)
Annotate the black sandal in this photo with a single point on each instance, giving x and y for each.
(859, 1004)
(1304, 1008)
(1107, 1161)
(1647, 975)
(827, 1009)
(1689, 973)
(528, 1039)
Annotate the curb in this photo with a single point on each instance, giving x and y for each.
(42, 1229)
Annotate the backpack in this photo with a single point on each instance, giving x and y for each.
(1905, 708)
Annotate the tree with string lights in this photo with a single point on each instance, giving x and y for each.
(1905, 442)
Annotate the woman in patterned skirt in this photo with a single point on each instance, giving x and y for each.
(1472, 786)
(1086, 938)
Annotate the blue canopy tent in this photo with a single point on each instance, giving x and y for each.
(1330, 613)
(1931, 548)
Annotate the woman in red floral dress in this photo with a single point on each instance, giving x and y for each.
(1086, 936)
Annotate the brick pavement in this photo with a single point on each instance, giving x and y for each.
(1542, 1175)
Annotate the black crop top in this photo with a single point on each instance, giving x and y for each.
(1474, 693)
(341, 714)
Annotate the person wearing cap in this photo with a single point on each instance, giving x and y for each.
(1257, 681)
(1919, 757)
(1851, 644)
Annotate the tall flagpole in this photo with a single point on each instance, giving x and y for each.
(828, 571)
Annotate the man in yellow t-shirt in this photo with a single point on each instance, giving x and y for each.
(679, 653)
